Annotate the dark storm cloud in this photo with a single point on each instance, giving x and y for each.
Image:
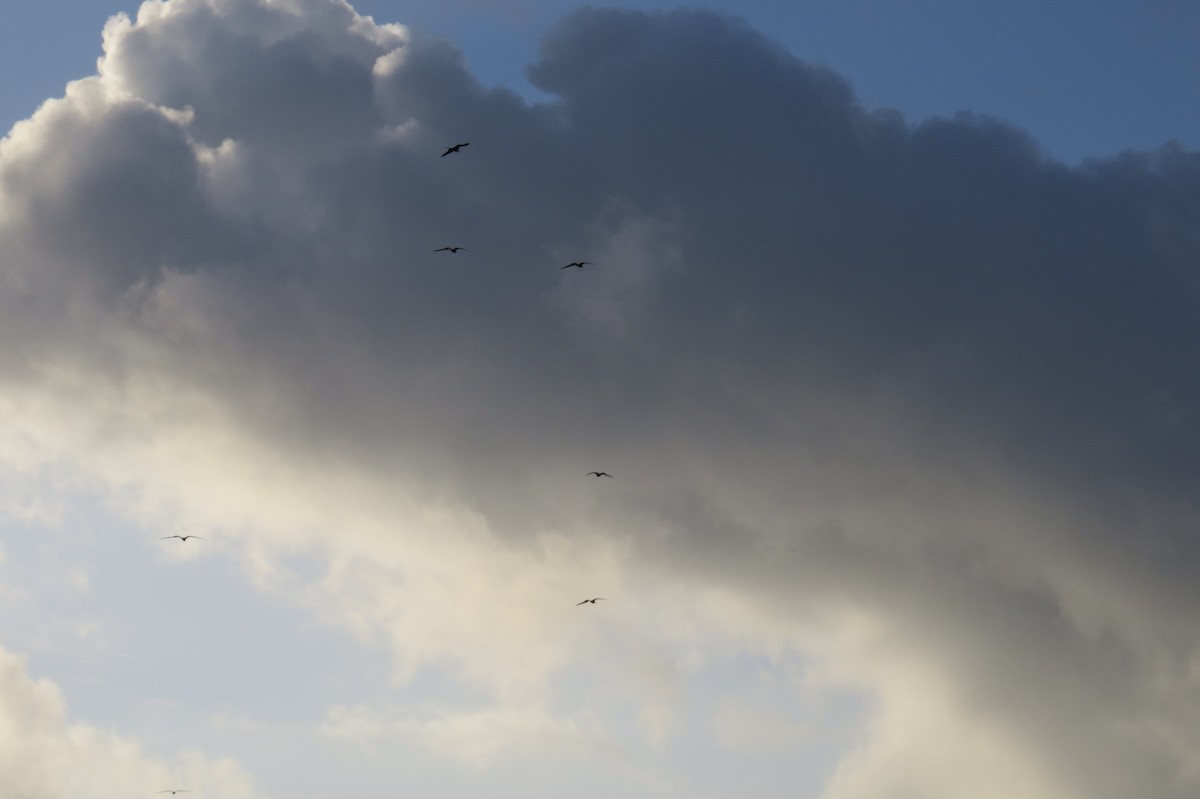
(959, 378)
(1050, 303)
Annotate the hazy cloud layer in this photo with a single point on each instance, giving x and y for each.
(903, 409)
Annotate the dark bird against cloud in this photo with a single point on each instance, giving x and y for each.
(454, 148)
(184, 537)
(579, 264)
(586, 601)
(451, 249)
(599, 474)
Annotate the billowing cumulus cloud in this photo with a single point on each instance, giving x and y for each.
(43, 755)
(902, 417)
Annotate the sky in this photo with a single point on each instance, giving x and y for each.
(1086, 79)
(893, 361)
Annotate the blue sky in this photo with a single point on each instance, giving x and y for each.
(903, 416)
(1086, 79)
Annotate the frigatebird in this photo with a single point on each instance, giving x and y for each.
(451, 249)
(599, 474)
(454, 148)
(580, 264)
(584, 602)
(174, 791)
(182, 538)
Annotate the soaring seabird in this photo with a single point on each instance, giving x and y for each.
(584, 602)
(599, 474)
(580, 264)
(181, 538)
(454, 149)
(451, 249)
(174, 791)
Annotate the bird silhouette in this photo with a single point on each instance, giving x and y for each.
(174, 791)
(579, 264)
(454, 148)
(451, 249)
(584, 602)
(599, 474)
(181, 538)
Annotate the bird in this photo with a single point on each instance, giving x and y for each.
(182, 538)
(584, 602)
(174, 791)
(454, 148)
(451, 249)
(580, 264)
(599, 474)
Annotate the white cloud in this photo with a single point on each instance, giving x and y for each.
(43, 755)
(477, 739)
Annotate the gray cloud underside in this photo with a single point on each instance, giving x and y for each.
(840, 363)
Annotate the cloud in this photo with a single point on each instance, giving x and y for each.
(44, 755)
(909, 400)
(476, 739)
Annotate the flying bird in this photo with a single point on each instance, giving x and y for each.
(454, 149)
(181, 538)
(451, 249)
(584, 602)
(175, 790)
(599, 474)
(579, 264)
